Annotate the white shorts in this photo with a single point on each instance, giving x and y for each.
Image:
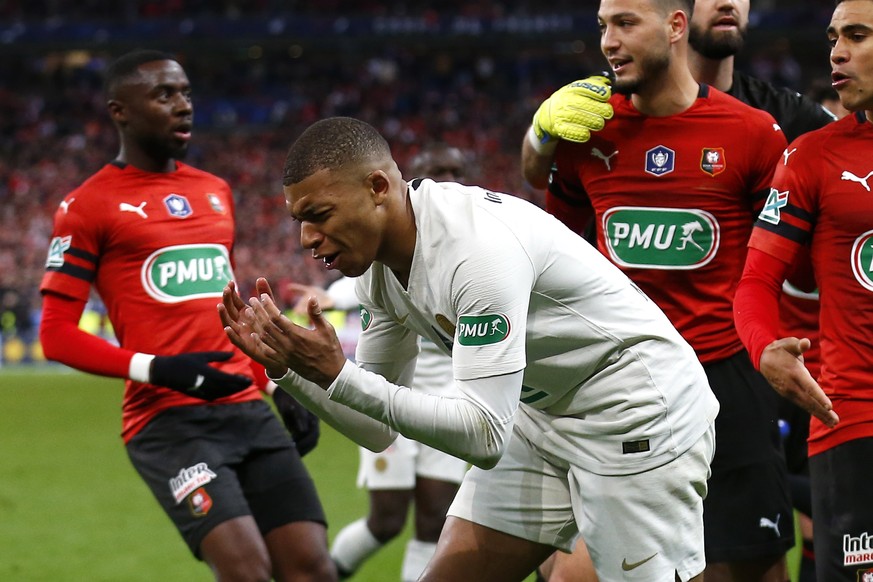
(645, 526)
(398, 466)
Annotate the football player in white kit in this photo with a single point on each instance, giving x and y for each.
(581, 407)
(407, 473)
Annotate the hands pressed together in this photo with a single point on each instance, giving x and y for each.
(262, 332)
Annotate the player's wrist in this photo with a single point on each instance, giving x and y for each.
(544, 147)
(140, 367)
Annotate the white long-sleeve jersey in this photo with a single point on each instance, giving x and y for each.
(531, 314)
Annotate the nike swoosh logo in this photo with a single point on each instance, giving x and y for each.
(628, 567)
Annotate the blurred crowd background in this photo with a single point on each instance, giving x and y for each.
(467, 73)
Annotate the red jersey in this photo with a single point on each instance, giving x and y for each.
(822, 192)
(157, 248)
(675, 199)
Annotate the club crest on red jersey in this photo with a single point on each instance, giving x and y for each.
(660, 160)
(215, 202)
(178, 206)
(712, 161)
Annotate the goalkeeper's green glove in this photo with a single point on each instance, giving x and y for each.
(572, 113)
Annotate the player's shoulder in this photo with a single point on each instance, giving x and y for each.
(734, 106)
(186, 170)
(832, 137)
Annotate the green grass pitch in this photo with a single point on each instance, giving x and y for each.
(72, 508)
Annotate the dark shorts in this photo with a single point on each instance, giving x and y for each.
(747, 513)
(208, 464)
(842, 512)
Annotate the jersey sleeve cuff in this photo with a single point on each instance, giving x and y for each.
(140, 367)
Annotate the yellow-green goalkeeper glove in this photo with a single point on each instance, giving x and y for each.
(572, 112)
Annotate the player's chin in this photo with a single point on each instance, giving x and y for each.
(625, 86)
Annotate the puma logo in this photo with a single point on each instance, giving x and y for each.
(600, 155)
(125, 207)
(774, 525)
(65, 204)
(786, 154)
(853, 178)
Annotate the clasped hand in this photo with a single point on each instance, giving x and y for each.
(263, 333)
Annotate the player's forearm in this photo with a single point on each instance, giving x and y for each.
(536, 165)
(360, 428)
(63, 341)
(756, 303)
(476, 431)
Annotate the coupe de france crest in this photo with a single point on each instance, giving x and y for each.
(660, 160)
(177, 205)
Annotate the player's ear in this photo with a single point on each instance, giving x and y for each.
(116, 111)
(379, 184)
(678, 25)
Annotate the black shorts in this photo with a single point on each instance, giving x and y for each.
(208, 464)
(747, 513)
(842, 512)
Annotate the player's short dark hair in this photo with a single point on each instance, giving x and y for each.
(127, 64)
(330, 144)
(687, 6)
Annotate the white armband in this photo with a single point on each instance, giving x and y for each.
(140, 367)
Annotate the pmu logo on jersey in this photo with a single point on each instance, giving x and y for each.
(660, 160)
(862, 260)
(190, 479)
(57, 248)
(178, 206)
(199, 503)
(481, 330)
(857, 550)
(366, 318)
(185, 272)
(772, 211)
(712, 161)
(660, 238)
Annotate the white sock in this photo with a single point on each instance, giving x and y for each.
(418, 554)
(353, 545)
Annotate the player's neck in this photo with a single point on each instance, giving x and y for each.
(140, 160)
(398, 246)
(671, 94)
(718, 73)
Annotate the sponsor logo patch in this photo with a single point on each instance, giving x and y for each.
(482, 330)
(366, 318)
(58, 246)
(712, 161)
(660, 160)
(184, 272)
(178, 206)
(772, 211)
(189, 480)
(862, 260)
(200, 503)
(660, 238)
(857, 549)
